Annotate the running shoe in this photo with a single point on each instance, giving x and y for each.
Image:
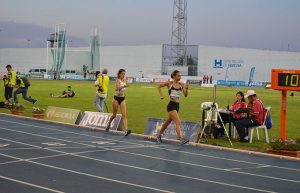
(107, 128)
(127, 132)
(183, 141)
(158, 139)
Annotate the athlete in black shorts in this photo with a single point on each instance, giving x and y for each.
(119, 100)
(175, 88)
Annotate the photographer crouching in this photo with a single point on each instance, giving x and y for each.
(101, 84)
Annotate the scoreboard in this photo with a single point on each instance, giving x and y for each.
(285, 79)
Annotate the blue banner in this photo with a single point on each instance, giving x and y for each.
(189, 129)
(230, 83)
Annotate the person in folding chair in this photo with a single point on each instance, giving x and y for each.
(175, 88)
(256, 116)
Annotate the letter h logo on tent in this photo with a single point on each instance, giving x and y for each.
(218, 64)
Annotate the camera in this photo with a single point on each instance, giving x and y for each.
(100, 89)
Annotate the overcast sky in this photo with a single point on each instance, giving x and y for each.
(261, 24)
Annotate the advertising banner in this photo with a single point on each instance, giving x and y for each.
(64, 115)
(189, 129)
(100, 120)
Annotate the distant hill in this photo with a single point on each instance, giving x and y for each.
(23, 35)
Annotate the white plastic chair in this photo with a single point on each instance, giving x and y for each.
(263, 126)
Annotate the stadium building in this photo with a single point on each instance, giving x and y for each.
(235, 66)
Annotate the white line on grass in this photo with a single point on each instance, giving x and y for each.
(30, 184)
(150, 170)
(158, 147)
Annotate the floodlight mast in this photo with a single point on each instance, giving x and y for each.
(179, 32)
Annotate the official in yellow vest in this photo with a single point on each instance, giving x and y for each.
(101, 85)
(22, 88)
(11, 78)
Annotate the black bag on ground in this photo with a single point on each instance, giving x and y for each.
(213, 129)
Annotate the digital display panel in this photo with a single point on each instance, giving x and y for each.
(290, 80)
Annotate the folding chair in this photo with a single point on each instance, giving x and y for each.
(263, 126)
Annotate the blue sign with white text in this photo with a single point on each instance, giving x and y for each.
(189, 129)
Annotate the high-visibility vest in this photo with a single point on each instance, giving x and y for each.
(12, 78)
(104, 83)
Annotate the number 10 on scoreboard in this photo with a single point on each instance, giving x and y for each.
(285, 80)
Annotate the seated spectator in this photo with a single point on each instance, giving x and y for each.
(69, 93)
(256, 116)
(239, 104)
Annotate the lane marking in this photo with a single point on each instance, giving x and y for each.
(240, 172)
(30, 184)
(146, 169)
(4, 145)
(62, 154)
(209, 167)
(186, 152)
(91, 175)
(247, 168)
(103, 143)
(54, 144)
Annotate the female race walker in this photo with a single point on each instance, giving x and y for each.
(175, 88)
(119, 100)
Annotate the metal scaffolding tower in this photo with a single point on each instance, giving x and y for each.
(179, 32)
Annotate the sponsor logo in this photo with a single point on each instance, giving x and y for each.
(99, 120)
(219, 63)
(62, 114)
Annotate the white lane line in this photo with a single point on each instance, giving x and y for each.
(91, 175)
(204, 166)
(227, 159)
(30, 184)
(17, 148)
(185, 152)
(150, 170)
(247, 168)
(62, 154)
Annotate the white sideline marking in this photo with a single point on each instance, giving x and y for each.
(158, 147)
(90, 175)
(145, 169)
(29, 184)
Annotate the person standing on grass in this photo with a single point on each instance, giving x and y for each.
(175, 88)
(119, 101)
(22, 88)
(101, 85)
(11, 77)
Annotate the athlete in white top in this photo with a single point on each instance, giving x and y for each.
(175, 89)
(119, 100)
